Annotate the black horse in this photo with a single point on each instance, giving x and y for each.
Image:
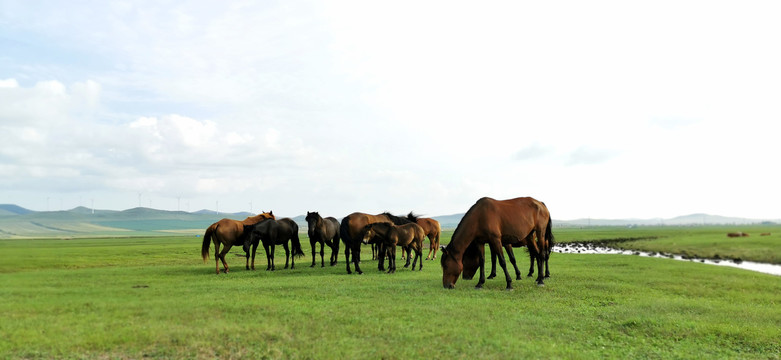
(273, 232)
(326, 232)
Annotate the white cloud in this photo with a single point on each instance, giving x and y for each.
(424, 106)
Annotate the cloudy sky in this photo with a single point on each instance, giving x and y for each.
(601, 109)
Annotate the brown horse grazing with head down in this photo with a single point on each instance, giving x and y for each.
(493, 222)
(432, 229)
(228, 232)
(408, 236)
(351, 231)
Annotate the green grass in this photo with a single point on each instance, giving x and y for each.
(154, 298)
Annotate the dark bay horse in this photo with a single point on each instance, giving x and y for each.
(228, 232)
(432, 229)
(495, 222)
(408, 236)
(351, 231)
(326, 232)
(273, 232)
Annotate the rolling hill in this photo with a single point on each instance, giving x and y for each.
(18, 222)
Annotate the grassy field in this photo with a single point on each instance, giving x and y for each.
(154, 298)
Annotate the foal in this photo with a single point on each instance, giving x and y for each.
(408, 236)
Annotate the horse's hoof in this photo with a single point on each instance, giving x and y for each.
(491, 277)
(509, 289)
(540, 285)
(479, 287)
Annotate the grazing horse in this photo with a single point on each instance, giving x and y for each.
(493, 222)
(432, 229)
(351, 231)
(408, 236)
(323, 231)
(273, 232)
(228, 232)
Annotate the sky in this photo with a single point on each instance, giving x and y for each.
(601, 109)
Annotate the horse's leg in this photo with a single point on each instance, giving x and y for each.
(547, 272)
(347, 257)
(436, 246)
(531, 261)
(481, 263)
(408, 250)
(356, 250)
(254, 251)
(415, 261)
(217, 255)
(334, 252)
(493, 265)
(419, 255)
(392, 261)
(430, 247)
(224, 251)
(382, 252)
(269, 257)
(312, 242)
(538, 252)
(322, 254)
(246, 254)
(511, 255)
(495, 243)
(287, 255)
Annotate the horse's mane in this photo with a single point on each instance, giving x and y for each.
(412, 217)
(397, 220)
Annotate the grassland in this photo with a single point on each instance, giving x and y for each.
(154, 298)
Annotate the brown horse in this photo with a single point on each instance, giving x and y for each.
(432, 229)
(408, 236)
(228, 232)
(351, 231)
(493, 222)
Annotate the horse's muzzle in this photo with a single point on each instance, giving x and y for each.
(450, 286)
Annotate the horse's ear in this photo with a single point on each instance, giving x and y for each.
(271, 212)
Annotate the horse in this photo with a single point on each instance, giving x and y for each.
(351, 231)
(408, 236)
(493, 222)
(324, 231)
(273, 232)
(228, 233)
(432, 229)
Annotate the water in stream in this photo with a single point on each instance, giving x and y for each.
(585, 248)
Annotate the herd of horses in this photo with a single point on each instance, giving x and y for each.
(500, 224)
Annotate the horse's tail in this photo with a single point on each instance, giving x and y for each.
(207, 239)
(344, 231)
(549, 235)
(297, 251)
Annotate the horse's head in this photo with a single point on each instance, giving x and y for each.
(246, 237)
(313, 218)
(267, 215)
(451, 268)
(471, 260)
(368, 233)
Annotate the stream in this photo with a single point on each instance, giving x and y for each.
(585, 248)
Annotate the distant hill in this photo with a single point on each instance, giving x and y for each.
(18, 222)
(10, 209)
